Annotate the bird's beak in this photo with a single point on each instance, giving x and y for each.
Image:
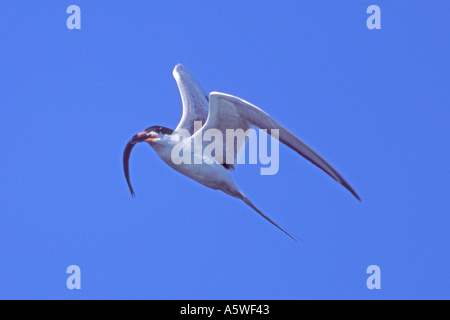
(143, 137)
(140, 137)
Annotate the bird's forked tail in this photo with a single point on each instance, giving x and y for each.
(244, 198)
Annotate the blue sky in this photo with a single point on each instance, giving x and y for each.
(373, 103)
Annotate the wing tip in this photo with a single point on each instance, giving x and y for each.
(179, 67)
(349, 188)
(356, 195)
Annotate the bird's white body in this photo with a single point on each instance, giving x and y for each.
(213, 176)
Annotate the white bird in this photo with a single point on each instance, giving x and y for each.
(219, 111)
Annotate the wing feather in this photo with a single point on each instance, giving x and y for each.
(193, 97)
(229, 112)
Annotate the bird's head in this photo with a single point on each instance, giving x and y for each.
(152, 135)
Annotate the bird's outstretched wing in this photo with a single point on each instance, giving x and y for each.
(193, 97)
(229, 112)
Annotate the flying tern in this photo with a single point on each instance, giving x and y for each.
(218, 111)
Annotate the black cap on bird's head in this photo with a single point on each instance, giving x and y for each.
(150, 134)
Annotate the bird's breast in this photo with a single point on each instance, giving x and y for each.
(213, 176)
